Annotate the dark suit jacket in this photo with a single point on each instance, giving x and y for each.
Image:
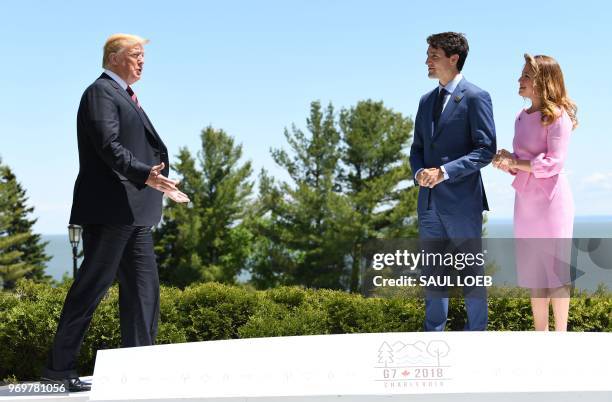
(464, 142)
(118, 145)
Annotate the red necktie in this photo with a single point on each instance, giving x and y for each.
(132, 95)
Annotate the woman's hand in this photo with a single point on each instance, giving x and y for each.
(505, 161)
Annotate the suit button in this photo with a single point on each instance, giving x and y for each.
(433, 145)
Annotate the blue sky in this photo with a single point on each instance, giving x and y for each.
(252, 69)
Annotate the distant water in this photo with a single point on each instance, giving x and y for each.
(61, 251)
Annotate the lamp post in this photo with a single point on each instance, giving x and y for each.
(74, 235)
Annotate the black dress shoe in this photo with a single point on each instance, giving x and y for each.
(71, 384)
(76, 385)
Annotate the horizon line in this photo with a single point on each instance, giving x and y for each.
(577, 218)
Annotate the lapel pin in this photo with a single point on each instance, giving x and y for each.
(457, 99)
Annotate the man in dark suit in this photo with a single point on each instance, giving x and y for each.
(454, 137)
(123, 169)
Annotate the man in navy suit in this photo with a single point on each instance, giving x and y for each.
(454, 137)
(117, 199)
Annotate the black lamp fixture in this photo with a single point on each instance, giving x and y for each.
(74, 235)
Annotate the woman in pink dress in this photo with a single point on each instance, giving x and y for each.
(543, 205)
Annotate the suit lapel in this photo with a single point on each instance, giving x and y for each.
(455, 98)
(143, 117)
(150, 127)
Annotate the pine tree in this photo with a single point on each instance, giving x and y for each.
(207, 240)
(11, 265)
(375, 176)
(21, 248)
(350, 182)
(307, 226)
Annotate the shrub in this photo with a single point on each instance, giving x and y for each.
(210, 311)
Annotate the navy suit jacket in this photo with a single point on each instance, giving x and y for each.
(464, 142)
(118, 146)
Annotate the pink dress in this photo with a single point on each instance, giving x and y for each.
(543, 203)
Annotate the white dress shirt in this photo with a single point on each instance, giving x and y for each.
(117, 79)
(450, 88)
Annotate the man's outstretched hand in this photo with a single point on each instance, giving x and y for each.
(158, 181)
(177, 196)
(167, 186)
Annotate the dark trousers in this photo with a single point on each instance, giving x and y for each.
(465, 227)
(110, 251)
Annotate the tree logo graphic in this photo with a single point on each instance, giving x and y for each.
(418, 354)
(424, 364)
(385, 354)
(438, 349)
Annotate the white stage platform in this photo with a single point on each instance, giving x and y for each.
(449, 366)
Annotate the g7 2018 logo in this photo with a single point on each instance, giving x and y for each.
(413, 365)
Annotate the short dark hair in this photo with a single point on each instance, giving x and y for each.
(452, 43)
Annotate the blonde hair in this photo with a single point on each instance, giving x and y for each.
(118, 42)
(550, 87)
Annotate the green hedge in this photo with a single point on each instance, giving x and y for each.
(28, 318)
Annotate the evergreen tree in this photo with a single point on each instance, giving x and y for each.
(271, 263)
(208, 240)
(22, 253)
(307, 224)
(350, 182)
(376, 175)
(11, 265)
